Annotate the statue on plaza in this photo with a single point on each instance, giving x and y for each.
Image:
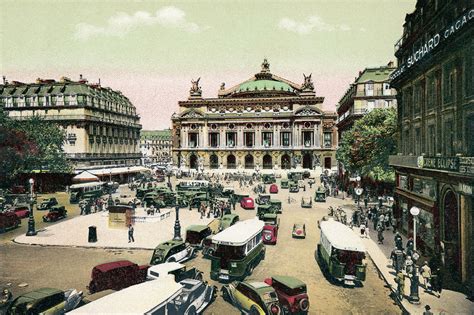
(308, 83)
(195, 88)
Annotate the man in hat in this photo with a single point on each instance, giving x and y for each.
(425, 271)
(427, 310)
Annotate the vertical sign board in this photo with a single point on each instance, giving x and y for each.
(120, 217)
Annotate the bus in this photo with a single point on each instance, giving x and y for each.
(238, 250)
(341, 253)
(190, 184)
(85, 190)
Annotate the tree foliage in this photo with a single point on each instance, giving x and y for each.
(365, 148)
(30, 145)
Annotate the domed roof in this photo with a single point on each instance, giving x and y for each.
(264, 85)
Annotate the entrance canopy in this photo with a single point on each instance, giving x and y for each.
(85, 177)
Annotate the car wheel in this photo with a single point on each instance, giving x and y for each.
(191, 311)
(198, 276)
(226, 294)
(254, 310)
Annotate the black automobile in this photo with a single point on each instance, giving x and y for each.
(47, 203)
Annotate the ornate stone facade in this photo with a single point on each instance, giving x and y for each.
(102, 126)
(265, 122)
(155, 146)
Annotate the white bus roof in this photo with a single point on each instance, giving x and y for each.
(165, 268)
(86, 185)
(341, 236)
(137, 299)
(240, 233)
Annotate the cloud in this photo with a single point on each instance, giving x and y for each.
(312, 23)
(121, 23)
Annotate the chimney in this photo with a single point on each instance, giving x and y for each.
(390, 64)
(4, 80)
(99, 81)
(80, 77)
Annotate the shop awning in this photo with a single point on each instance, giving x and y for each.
(85, 177)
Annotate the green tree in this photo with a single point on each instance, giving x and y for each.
(30, 145)
(365, 148)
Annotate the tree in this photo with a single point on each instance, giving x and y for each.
(365, 148)
(30, 145)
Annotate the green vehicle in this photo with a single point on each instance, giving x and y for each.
(341, 253)
(196, 234)
(268, 178)
(153, 199)
(295, 176)
(228, 220)
(172, 251)
(262, 199)
(320, 194)
(294, 188)
(85, 191)
(192, 185)
(141, 192)
(276, 204)
(238, 250)
(284, 184)
(264, 209)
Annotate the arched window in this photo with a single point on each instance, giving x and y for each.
(267, 162)
(193, 163)
(213, 161)
(285, 162)
(249, 164)
(231, 161)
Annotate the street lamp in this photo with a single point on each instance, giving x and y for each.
(31, 219)
(177, 226)
(358, 190)
(414, 297)
(414, 212)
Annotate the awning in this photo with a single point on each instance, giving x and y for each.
(85, 177)
(119, 170)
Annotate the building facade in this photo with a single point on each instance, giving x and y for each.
(435, 163)
(102, 126)
(265, 122)
(155, 146)
(370, 90)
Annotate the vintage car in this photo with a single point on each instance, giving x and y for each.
(178, 270)
(306, 202)
(268, 178)
(270, 229)
(8, 220)
(195, 235)
(208, 248)
(295, 176)
(228, 220)
(47, 203)
(21, 211)
(276, 204)
(320, 194)
(299, 230)
(166, 296)
(247, 203)
(262, 199)
(55, 213)
(284, 184)
(294, 188)
(45, 301)
(228, 192)
(292, 294)
(265, 209)
(172, 251)
(116, 275)
(252, 297)
(273, 189)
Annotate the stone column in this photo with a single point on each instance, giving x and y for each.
(317, 135)
(222, 133)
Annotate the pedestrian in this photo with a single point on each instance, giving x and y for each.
(380, 233)
(425, 271)
(410, 245)
(381, 220)
(400, 280)
(409, 265)
(367, 235)
(437, 281)
(427, 310)
(366, 201)
(310, 184)
(201, 210)
(130, 234)
(398, 241)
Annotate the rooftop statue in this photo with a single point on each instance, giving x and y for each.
(265, 66)
(308, 83)
(223, 86)
(195, 88)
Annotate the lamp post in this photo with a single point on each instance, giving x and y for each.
(359, 190)
(177, 226)
(414, 297)
(31, 219)
(414, 212)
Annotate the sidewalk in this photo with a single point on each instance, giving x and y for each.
(450, 302)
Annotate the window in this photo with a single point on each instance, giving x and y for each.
(327, 139)
(249, 139)
(417, 141)
(407, 101)
(369, 89)
(431, 149)
(267, 139)
(425, 187)
(406, 140)
(431, 95)
(370, 106)
(193, 140)
(417, 103)
(285, 139)
(403, 181)
(66, 100)
(387, 104)
(469, 72)
(448, 83)
(449, 138)
(214, 139)
(81, 100)
(307, 138)
(470, 135)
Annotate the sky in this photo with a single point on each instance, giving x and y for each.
(151, 50)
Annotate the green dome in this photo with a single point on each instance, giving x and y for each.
(262, 85)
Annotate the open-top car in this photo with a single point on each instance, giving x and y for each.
(268, 178)
(116, 275)
(273, 189)
(276, 204)
(47, 203)
(178, 270)
(320, 194)
(294, 188)
(45, 301)
(262, 199)
(8, 220)
(265, 209)
(270, 229)
(247, 203)
(195, 235)
(172, 251)
(228, 220)
(55, 213)
(252, 297)
(306, 202)
(292, 294)
(284, 184)
(21, 211)
(299, 230)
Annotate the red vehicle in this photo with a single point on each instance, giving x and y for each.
(116, 275)
(247, 203)
(270, 229)
(55, 213)
(273, 189)
(21, 211)
(8, 219)
(292, 294)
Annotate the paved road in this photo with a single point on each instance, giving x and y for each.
(70, 267)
